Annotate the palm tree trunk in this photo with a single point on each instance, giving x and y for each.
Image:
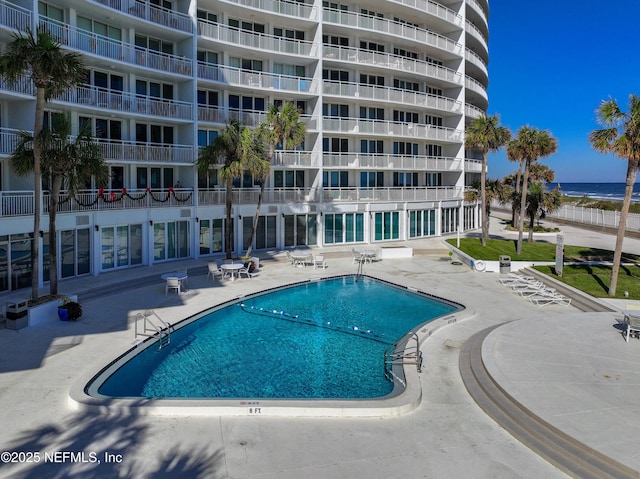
(228, 237)
(256, 217)
(37, 194)
(514, 211)
(523, 205)
(632, 169)
(483, 193)
(56, 186)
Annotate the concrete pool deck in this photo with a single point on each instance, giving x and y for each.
(571, 368)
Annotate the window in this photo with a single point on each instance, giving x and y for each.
(372, 46)
(422, 223)
(49, 11)
(248, 103)
(75, 252)
(433, 91)
(121, 246)
(300, 230)
(99, 28)
(210, 58)
(405, 116)
(211, 236)
(154, 89)
(288, 179)
(102, 128)
(170, 240)
(405, 53)
(335, 179)
(154, 133)
(370, 13)
(335, 6)
(405, 179)
(208, 98)
(405, 148)
(153, 44)
(290, 70)
(449, 220)
(371, 179)
(434, 179)
(433, 120)
(433, 61)
(206, 137)
(343, 228)
(372, 113)
(371, 146)
(387, 225)
(335, 110)
(335, 145)
(406, 85)
(208, 16)
(433, 150)
(246, 64)
(372, 80)
(208, 180)
(288, 33)
(105, 81)
(247, 26)
(335, 40)
(404, 22)
(265, 232)
(335, 75)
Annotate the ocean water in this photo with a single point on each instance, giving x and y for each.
(604, 191)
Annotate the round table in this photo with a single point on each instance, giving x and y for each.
(301, 259)
(232, 268)
(180, 276)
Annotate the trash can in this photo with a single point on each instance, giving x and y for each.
(505, 264)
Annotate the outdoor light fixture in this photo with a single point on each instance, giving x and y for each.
(97, 228)
(197, 220)
(283, 215)
(41, 234)
(150, 222)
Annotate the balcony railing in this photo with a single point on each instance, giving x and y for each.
(255, 41)
(392, 95)
(250, 118)
(249, 196)
(394, 62)
(390, 128)
(254, 79)
(131, 151)
(390, 162)
(477, 34)
(14, 16)
(125, 52)
(472, 165)
(292, 9)
(9, 138)
(433, 8)
(474, 58)
(303, 159)
(478, 7)
(392, 194)
(473, 111)
(16, 203)
(397, 29)
(126, 102)
(476, 86)
(151, 13)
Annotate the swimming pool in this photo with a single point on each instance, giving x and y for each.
(320, 340)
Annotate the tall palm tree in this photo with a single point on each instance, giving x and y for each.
(282, 127)
(226, 150)
(529, 145)
(66, 162)
(52, 70)
(621, 137)
(540, 202)
(486, 134)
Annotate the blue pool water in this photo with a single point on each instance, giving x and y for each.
(323, 339)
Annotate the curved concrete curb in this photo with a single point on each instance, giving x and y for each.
(566, 453)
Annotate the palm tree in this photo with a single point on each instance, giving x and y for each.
(282, 127)
(540, 202)
(486, 134)
(65, 163)
(52, 71)
(226, 150)
(621, 137)
(529, 145)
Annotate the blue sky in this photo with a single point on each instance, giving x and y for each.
(551, 63)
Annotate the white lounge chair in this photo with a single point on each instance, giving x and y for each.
(632, 320)
(319, 262)
(214, 271)
(545, 299)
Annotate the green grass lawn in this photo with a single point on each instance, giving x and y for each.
(594, 279)
(591, 279)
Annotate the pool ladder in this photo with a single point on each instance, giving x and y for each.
(403, 352)
(153, 325)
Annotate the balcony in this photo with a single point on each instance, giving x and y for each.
(9, 138)
(390, 162)
(250, 118)
(360, 126)
(296, 159)
(249, 196)
(254, 79)
(393, 62)
(136, 152)
(472, 165)
(477, 34)
(367, 195)
(114, 50)
(291, 9)
(474, 85)
(472, 111)
(397, 29)
(474, 58)
(433, 8)
(126, 102)
(255, 41)
(391, 95)
(14, 17)
(151, 13)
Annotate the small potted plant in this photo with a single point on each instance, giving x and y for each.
(69, 310)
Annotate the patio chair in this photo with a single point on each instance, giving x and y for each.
(545, 299)
(173, 283)
(357, 256)
(184, 271)
(289, 257)
(214, 271)
(319, 262)
(632, 320)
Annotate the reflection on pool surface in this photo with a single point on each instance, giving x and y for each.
(321, 339)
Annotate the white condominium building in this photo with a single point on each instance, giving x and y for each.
(385, 88)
